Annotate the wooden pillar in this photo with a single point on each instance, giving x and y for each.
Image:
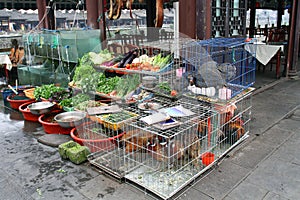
(203, 19)
(46, 14)
(50, 19)
(279, 13)
(187, 17)
(293, 46)
(252, 19)
(92, 13)
(102, 26)
(152, 32)
(41, 5)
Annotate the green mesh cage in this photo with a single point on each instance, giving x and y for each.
(59, 51)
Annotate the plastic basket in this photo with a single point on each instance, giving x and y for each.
(29, 93)
(119, 121)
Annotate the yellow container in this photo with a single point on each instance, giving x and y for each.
(119, 119)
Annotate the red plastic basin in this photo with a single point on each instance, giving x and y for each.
(15, 104)
(92, 142)
(52, 127)
(27, 114)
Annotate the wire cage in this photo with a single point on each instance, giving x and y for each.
(218, 68)
(162, 157)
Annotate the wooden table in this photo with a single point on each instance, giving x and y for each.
(265, 52)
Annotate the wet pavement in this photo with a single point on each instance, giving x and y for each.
(266, 166)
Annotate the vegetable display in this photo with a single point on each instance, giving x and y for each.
(127, 84)
(99, 58)
(107, 85)
(47, 91)
(75, 100)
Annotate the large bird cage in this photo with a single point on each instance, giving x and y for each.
(218, 68)
(161, 157)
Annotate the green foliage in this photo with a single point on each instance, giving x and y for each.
(46, 91)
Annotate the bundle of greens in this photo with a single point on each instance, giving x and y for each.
(161, 61)
(101, 57)
(75, 100)
(107, 85)
(47, 91)
(127, 84)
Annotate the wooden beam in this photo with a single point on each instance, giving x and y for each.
(187, 17)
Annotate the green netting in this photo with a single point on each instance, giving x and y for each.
(74, 44)
(68, 46)
(59, 50)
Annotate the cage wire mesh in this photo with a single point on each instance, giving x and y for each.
(218, 68)
(234, 122)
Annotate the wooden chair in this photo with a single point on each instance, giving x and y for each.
(116, 48)
(278, 37)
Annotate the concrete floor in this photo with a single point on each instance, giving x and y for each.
(266, 166)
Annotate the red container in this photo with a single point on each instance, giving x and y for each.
(50, 126)
(15, 104)
(27, 114)
(207, 158)
(92, 142)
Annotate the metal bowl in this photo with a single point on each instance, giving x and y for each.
(70, 119)
(40, 108)
(149, 81)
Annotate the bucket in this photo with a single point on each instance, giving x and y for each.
(207, 158)
(5, 93)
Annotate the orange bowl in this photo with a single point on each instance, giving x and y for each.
(92, 140)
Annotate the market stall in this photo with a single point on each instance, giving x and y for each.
(168, 124)
(158, 117)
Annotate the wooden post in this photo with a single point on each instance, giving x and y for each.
(203, 16)
(102, 26)
(279, 13)
(92, 13)
(41, 5)
(252, 19)
(152, 32)
(46, 14)
(187, 17)
(293, 45)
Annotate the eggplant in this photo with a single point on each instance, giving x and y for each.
(128, 58)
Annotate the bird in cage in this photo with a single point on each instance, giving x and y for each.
(232, 130)
(136, 140)
(227, 70)
(179, 151)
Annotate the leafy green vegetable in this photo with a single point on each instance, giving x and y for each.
(107, 85)
(161, 61)
(103, 56)
(165, 87)
(127, 84)
(47, 91)
(75, 100)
